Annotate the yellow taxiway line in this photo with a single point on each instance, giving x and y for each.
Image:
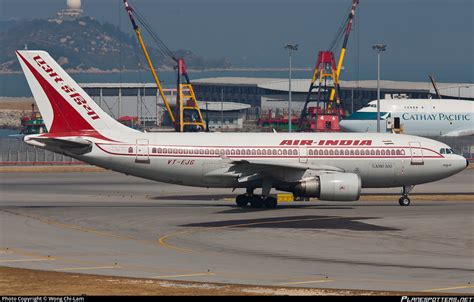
(26, 260)
(181, 276)
(308, 282)
(87, 268)
(162, 240)
(448, 288)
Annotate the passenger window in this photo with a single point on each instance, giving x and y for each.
(280, 152)
(153, 150)
(347, 152)
(212, 151)
(357, 152)
(362, 152)
(285, 152)
(336, 152)
(254, 152)
(259, 152)
(274, 152)
(232, 152)
(310, 152)
(383, 152)
(393, 152)
(326, 152)
(206, 151)
(331, 152)
(377, 152)
(264, 152)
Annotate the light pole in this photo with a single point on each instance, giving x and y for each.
(290, 48)
(379, 48)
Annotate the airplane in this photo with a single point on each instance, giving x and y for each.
(423, 117)
(329, 166)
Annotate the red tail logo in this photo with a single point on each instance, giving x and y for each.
(76, 97)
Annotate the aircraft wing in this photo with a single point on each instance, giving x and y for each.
(250, 170)
(76, 146)
(459, 133)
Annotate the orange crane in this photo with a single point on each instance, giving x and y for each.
(188, 116)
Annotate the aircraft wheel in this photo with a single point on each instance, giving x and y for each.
(242, 200)
(404, 201)
(270, 202)
(256, 202)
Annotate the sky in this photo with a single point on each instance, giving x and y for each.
(422, 36)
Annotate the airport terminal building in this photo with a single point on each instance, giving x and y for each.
(272, 93)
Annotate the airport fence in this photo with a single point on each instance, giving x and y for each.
(16, 152)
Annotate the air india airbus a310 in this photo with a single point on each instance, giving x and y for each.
(329, 166)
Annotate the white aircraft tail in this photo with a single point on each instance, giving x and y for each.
(64, 105)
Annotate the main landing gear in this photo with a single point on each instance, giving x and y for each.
(404, 201)
(256, 201)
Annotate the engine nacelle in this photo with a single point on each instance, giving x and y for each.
(331, 187)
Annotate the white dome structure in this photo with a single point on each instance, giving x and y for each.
(74, 4)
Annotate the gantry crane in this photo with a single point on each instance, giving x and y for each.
(325, 85)
(188, 116)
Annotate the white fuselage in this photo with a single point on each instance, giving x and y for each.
(424, 117)
(381, 160)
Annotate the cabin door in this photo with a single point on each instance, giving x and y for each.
(142, 152)
(416, 153)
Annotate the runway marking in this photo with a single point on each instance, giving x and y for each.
(163, 240)
(26, 260)
(188, 275)
(87, 268)
(308, 282)
(448, 288)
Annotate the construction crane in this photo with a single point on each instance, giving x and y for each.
(324, 89)
(188, 116)
(435, 86)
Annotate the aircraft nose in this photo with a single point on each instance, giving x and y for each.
(343, 124)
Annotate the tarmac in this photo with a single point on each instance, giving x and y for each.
(109, 224)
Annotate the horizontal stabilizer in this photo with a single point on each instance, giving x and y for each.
(76, 146)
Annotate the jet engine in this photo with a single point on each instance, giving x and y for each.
(331, 187)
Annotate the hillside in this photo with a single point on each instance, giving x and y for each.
(85, 44)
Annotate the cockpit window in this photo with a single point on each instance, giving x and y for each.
(446, 151)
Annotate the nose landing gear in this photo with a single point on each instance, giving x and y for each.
(404, 201)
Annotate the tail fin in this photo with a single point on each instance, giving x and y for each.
(64, 105)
